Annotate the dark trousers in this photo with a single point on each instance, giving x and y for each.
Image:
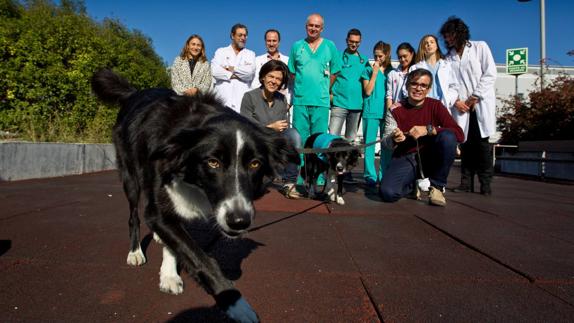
(437, 157)
(476, 158)
(291, 170)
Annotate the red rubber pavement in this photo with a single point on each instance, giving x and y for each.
(508, 257)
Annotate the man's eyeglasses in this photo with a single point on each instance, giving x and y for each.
(422, 86)
(353, 42)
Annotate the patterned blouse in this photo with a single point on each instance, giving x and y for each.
(181, 78)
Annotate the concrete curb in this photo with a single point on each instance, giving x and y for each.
(26, 160)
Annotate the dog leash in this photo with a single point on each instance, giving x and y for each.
(336, 149)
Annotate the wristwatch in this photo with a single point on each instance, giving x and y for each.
(429, 129)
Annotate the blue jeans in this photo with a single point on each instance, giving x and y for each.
(350, 118)
(437, 157)
(291, 170)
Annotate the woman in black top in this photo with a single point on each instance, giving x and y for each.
(267, 107)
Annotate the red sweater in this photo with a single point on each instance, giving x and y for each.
(431, 112)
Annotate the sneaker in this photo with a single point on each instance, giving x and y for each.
(436, 197)
(290, 191)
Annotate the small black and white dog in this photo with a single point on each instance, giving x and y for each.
(333, 164)
(189, 159)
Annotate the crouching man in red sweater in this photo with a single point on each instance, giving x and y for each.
(425, 123)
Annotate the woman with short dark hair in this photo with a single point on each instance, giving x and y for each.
(266, 106)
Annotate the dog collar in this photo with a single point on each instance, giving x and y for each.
(324, 141)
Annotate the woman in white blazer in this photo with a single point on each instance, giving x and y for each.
(190, 71)
(430, 57)
(475, 107)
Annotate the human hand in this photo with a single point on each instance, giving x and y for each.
(191, 91)
(462, 107)
(418, 131)
(471, 101)
(398, 135)
(279, 125)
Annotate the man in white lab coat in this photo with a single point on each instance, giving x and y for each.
(233, 68)
(475, 108)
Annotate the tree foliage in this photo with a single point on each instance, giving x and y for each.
(48, 53)
(548, 115)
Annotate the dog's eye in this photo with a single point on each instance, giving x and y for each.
(254, 164)
(213, 163)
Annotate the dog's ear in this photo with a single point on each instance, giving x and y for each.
(173, 153)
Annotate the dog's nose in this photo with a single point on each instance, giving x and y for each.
(238, 221)
(340, 168)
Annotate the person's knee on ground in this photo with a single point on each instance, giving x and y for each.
(389, 194)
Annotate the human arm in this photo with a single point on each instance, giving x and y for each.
(247, 108)
(369, 83)
(177, 81)
(488, 69)
(219, 69)
(390, 136)
(205, 80)
(245, 70)
(442, 120)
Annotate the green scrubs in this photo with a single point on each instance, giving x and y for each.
(374, 123)
(347, 89)
(312, 71)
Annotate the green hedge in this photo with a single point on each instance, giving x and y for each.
(48, 54)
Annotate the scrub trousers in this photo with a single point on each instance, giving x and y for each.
(372, 128)
(308, 120)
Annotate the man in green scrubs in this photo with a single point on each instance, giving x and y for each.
(348, 90)
(314, 63)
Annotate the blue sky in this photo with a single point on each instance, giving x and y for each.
(503, 23)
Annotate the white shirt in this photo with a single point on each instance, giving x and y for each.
(475, 74)
(446, 78)
(229, 89)
(260, 61)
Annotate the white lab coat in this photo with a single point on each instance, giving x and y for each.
(446, 79)
(475, 73)
(231, 90)
(396, 89)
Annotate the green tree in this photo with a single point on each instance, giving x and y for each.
(48, 54)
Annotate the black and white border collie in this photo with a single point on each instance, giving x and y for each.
(334, 165)
(189, 159)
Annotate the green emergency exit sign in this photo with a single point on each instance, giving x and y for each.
(516, 60)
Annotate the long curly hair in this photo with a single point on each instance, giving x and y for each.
(456, 27)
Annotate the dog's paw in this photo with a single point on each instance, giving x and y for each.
(241, 311)
(157, 238)
(136, 258)
(340, 200)
(171, 284)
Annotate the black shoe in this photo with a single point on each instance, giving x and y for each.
(348, 179)
(485, 190)
(461, 189)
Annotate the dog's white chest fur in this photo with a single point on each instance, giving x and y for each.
(188, 201)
